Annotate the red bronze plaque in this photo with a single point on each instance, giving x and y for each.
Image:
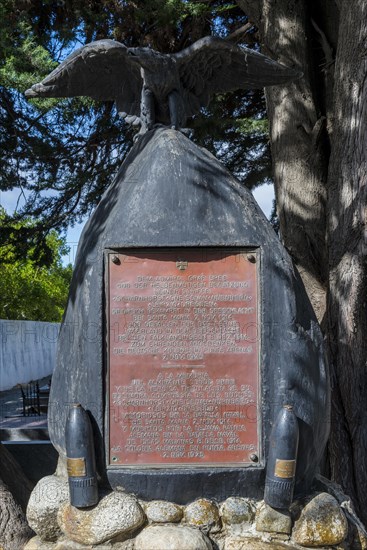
(183, 358)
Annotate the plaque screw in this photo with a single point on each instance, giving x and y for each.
(115, 259)
(254, 458)
(114, 458)
(251, 258)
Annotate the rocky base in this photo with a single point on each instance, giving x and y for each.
(122, 522)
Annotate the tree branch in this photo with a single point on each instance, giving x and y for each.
(12, 475)
(252, 9)
(236, 35)
(327, 49)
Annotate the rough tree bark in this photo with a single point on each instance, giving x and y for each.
(15, 490)
(347, 238)
(298, 134)
(318, 136)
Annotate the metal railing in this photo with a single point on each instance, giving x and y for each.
(34, 398)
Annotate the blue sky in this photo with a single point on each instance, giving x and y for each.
(264, 196)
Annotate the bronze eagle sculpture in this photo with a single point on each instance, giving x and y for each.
(153, 88)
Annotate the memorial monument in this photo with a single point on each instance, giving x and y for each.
(188, 328)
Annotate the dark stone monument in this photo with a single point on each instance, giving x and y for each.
(186, 331)
(187, 327)
(188, 341)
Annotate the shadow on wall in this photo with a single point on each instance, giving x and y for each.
(27, 351)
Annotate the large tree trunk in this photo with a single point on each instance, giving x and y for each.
(347, 238)
(14, 530)
(318, 135)
(298, 132)
(15, 489)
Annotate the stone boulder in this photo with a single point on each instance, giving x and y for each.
(321, 523)
(253, 543)
(116, 514)
(172, 537)
(36, 543)
(203, 513)
(270, 520)
(46, 498)
(161, 511)
(237, 510)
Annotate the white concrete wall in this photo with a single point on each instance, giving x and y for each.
(27, 352)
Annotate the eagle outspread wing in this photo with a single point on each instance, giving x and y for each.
(212, 65)
(102, 70)
(109, 71)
